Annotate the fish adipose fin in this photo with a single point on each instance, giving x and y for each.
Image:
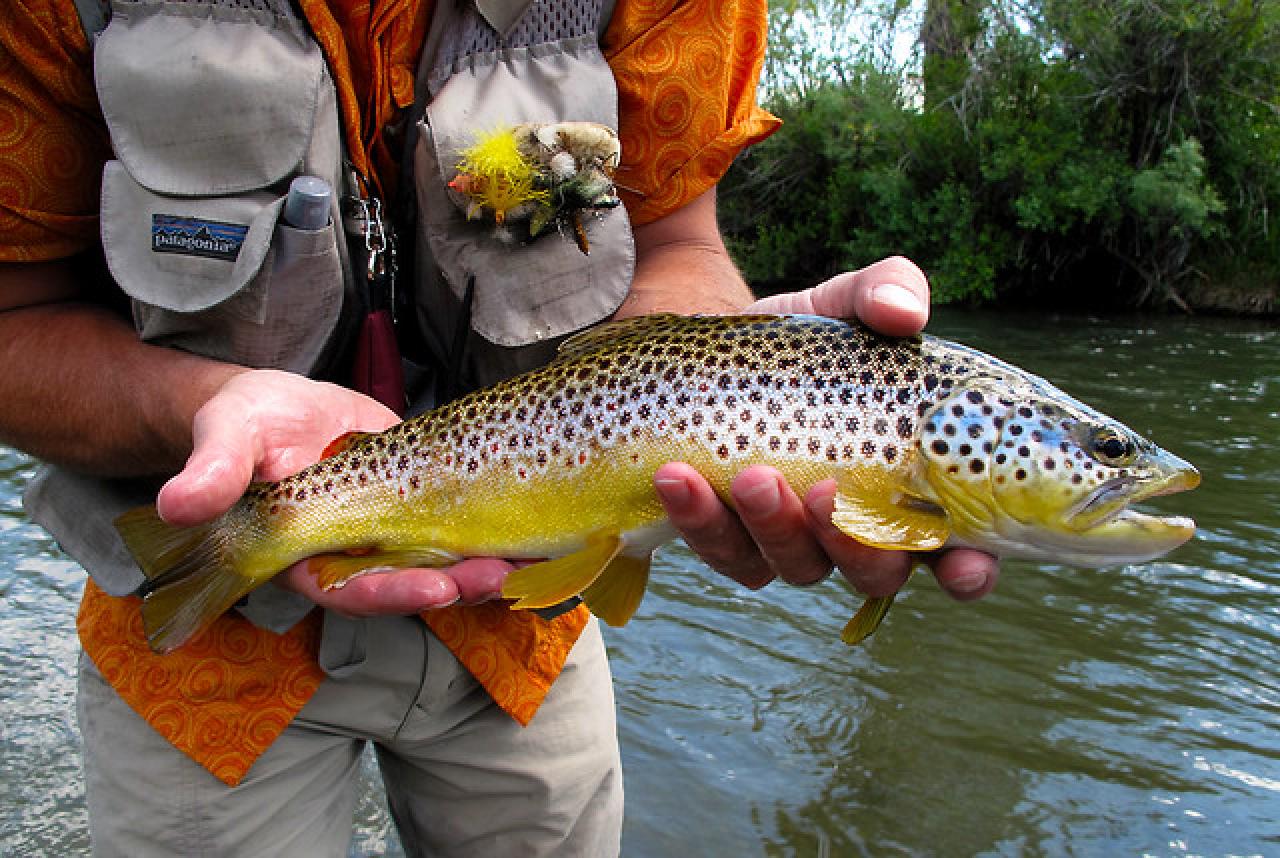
(191, 574)
(550, 582)
(615, 595)
(867, 620)
(334, 570)
(872, 508)
(344, 442)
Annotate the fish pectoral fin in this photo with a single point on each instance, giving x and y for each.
(332, 571)
(867, 620)
(615, 595)
(872, 508)
(550, 582)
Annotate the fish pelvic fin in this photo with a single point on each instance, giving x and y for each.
(550, 582)
(872, 508)
(192, 573)
(867, 620)
(615, 595)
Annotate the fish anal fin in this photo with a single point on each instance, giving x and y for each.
(866, 620)
(550, 582)
(615, 595)
(872, 507)
(332, 571)
(344, 442)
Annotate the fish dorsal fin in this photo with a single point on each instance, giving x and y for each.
(615, 595)
(344, 442)
(873, 508)
(608, 332)
(550, 582)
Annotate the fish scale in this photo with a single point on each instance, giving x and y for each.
(931, 443)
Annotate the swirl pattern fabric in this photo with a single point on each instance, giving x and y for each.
(223, 698)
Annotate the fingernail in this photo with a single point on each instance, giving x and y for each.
(967, 583)
(673, 491)
(763, 499)
(896, 295)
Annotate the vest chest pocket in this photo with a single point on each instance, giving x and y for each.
(212, 109)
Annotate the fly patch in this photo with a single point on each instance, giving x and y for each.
(193, 236)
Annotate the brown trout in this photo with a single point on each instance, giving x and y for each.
(931, 443)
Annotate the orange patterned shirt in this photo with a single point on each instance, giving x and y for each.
(686, 74)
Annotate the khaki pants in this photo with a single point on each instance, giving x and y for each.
(462, 778)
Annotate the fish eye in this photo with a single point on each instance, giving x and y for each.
(1111, 448)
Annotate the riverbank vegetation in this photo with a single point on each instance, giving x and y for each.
(1071, 152)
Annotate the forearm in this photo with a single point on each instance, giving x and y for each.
(80, 389)
(682, 266)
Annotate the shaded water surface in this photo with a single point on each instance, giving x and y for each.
(1125, 711)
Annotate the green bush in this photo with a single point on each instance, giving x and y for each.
(1129, 144)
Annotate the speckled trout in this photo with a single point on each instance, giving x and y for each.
(931, 444)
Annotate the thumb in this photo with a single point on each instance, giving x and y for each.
(214, 477)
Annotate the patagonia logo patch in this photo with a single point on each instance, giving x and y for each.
(193, 236)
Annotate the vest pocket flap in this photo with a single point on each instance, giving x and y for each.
(184, 255)
(207, 102)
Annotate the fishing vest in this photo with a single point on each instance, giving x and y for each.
(213, 107)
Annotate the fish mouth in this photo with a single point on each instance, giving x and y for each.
(1121, 533)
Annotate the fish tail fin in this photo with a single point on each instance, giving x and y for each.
(192, 574)
(867, 620)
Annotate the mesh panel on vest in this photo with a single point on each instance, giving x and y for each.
(545, 21)
(282, 8)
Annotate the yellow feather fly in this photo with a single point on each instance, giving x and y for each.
(497, 174)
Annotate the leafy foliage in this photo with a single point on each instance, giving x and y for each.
(1123, 151)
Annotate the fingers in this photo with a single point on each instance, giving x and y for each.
(767, 537)
(891, 296)
(713, 532)
(779, 527)
(261, 424)
(773, 534)
(966, 574)
(402, 591)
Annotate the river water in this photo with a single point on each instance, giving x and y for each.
(1119, 712)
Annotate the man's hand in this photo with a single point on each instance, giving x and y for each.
(776, 534)
(266, 425)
